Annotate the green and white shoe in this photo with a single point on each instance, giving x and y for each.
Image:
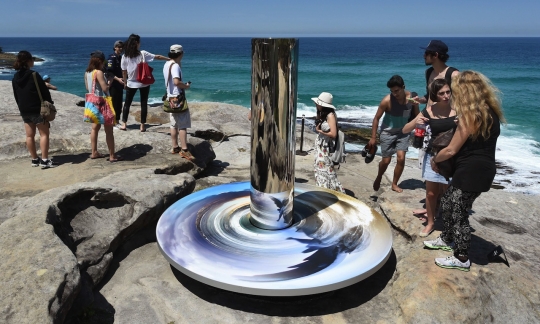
(452, 262)
(439, 244)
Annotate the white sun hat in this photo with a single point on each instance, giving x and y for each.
(324, 99)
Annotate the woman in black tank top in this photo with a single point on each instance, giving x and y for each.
(473, 149)
(440, 117)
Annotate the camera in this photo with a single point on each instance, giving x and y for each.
(318, 121)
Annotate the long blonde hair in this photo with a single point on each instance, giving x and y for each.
(473, 95)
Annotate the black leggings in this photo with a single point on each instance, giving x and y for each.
(130, 93)
(117, 95)
(455, 205)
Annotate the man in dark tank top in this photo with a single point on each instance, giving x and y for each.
(436, 55)
(397, 107)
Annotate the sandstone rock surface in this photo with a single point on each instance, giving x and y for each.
(77, 242)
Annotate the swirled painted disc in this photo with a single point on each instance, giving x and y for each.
(335, 241)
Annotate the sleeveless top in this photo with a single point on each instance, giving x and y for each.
(89, 76)
(438, 125)
(475, 161)
(394, 120)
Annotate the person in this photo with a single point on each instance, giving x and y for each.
(117, 86)
(473, 149)
(439, 117)
(436, 55)
(47, 80)
(94, 73)
(26, 95)
(397, 107)
(133, 56)
(180, 122)
(327, 132)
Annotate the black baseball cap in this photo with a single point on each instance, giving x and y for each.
(98, 54)
(437, 46)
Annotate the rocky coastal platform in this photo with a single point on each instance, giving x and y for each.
(77, 242)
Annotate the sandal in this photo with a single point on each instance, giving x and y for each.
(175, 150)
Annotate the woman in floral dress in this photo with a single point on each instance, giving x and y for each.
(327, 131)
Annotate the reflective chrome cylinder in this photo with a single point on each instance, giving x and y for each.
(274, 73)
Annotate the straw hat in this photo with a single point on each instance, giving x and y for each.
(324, 99)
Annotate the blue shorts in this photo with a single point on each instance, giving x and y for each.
(427, 172)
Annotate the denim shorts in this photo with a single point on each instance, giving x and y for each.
(393, 142)
(427, 172)
(33, 119)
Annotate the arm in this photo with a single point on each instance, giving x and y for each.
(179, 84)
(50, 86)
(460, 136)
(383, 106)
(124, 78)
(420, 119)
(100, 77)
(161, 57)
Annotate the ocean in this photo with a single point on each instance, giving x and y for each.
(354, 70)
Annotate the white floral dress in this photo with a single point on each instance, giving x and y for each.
(325, 174)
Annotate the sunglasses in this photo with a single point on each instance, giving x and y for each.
(426, 53)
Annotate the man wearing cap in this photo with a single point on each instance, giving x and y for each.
(436, 55)
(117, 86)
(47, 80)
(397, 108)
(180, 122)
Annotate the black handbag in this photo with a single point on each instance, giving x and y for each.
(446, 167)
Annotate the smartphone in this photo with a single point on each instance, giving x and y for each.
(188, 83)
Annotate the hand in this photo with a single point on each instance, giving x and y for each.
(372, 142)
(420, 119)
(434, 166)
(421, 100)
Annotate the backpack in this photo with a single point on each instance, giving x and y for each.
(447, 77)
(338, 151)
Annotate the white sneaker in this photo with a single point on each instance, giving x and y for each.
(439, 244)
(452, 262)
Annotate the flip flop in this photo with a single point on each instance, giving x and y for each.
(364, 151)
(118, 158)
(100, 156)
(371, 154)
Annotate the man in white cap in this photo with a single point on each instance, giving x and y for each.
(180, 122)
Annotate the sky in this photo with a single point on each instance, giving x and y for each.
(270, 18)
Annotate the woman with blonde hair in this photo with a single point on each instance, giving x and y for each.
(479, 112)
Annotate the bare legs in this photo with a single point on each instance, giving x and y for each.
(398, 170)
(43, 129)
(434, 192)
(183, 137)
(109, 138)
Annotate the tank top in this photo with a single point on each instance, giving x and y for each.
(439, 125)
(89, 76)
(394, 120)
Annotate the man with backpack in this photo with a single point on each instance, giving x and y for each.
(436, 55)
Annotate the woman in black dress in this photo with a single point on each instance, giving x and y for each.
(473, 149)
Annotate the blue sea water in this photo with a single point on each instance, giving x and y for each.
(354, 70)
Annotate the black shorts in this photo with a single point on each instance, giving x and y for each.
(33, 119)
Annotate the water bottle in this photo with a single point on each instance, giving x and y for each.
(419, 133)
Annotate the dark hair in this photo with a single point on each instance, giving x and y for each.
(323, 113)
(395, 81)
(174, 55)
(131, 46)
(434, 87)
(94, 64)
(441, 56)
(23, 57)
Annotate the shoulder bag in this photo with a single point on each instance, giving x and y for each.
(144, 72)
(446, 167)
(176, 104)
(48, 110)
(97, 109)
